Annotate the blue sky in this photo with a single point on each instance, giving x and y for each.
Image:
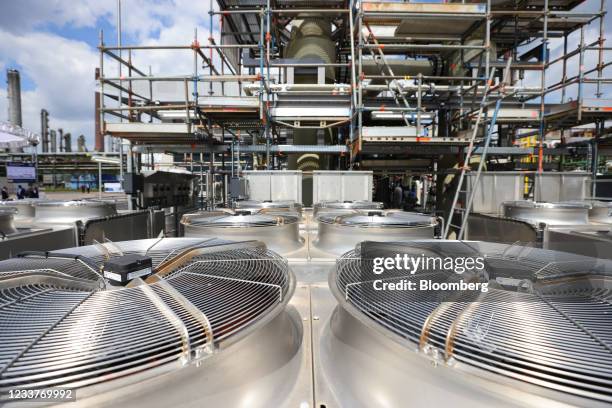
(53, 44)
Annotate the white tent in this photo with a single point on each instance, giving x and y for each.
(12, 137)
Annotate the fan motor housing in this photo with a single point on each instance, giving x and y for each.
(127, 267)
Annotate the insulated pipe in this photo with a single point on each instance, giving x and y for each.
(311, 40)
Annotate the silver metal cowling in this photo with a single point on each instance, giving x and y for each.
(122, 344)
(25, 207)
(340, 232)
(66, 212)
(347, 205)
(7, 220)
(266, 206)
(280, 231)
(511, 347)
(600, 211)
(548, 213)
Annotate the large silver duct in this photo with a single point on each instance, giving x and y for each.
(311, 40)
(13, 81)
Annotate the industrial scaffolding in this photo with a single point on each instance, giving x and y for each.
(411, 80)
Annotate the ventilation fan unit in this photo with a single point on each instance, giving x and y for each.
(279, 231)
(210, 327)
(540, 336)
(338, 233)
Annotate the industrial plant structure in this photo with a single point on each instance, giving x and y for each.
(314, 146)
(385, 86)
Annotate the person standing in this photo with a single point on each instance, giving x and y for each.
(20, 192)
(398, 195)
(5, 194)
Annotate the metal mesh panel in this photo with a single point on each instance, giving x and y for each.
(51, 336)
(556, 334)
(60, 267)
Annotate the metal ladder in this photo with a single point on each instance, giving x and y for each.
(464, 168)
(466, 211)
(485, 148)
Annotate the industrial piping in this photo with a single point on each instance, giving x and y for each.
(311, 40)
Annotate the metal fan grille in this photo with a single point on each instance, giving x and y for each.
(223, 220)
(281, 204)
(51, 336)
(558, 335)
(380, 220)
(60, 267)
(348, 205)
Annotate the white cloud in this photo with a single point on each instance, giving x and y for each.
(62, 69)
(25, 15)
(63, 73)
